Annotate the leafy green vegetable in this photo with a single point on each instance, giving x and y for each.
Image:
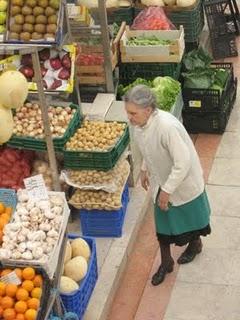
(150, 41)
(221, 76)
(200, 80)
(197, 59)
(122, 90)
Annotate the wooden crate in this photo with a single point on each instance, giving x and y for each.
(161, 53)
(95, 74)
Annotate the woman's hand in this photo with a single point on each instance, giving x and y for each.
(144, 180)
(163, 200)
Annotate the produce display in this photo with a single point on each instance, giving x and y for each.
(32, 20)
(14, 167)
(166, 90)
(20, 299)
(161, 3)
(108, 181)
(148, 41)
(5, 216)
(57, 67)
(28, 120)
(75, 265)
(34, 231)
(199, 74)
(42, 167)
(3, 15)
(90, 59)
(96, 136)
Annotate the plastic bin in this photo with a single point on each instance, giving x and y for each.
(77, 301)
(97, 160)
(29, 143)
(103, 223)
(208, 100)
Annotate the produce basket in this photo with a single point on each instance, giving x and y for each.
(30, 143)
(46, 37)
(96, 160)
(153, 53)
(103, 223)
(50, 265)
(115, 15)
(191, 18)
(77, 301)
(208, 100)
(129, 72)
(214, 121)
(46, 286)
(8, 198)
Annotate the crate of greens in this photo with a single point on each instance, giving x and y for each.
(205, 84)
(152, 45)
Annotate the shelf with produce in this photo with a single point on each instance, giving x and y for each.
(152, 46)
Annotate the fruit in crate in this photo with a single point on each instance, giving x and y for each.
(3, 15)
(17, 297)
(35, 20)
(96, 136)
(5, 216)
(28, 120)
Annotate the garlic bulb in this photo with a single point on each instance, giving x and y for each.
(27, 255)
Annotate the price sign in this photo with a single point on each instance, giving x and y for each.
(36, 187)
(195, 103)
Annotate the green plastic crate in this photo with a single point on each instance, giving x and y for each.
(129, 72)
(31, 143)
(192, 20)
(115, 15)
(96, 160)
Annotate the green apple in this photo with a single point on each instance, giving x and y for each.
(3, 5)
(2, 29)
(54, 4)
(3, 17)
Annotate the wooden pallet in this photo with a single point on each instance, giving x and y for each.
(161, 53)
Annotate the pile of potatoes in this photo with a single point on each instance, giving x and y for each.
(88, 178)
(96, 136)
(99, 199)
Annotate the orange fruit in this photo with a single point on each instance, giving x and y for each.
(8, 210)
(28, 285)
(1, 311)
(36, 293)
(22, 294)
(20, 316)
(9, 314)
(7, 302)
(2, 288)
(11, 290)
(2, 207)
(5, 272)
(18, 272)
(30, 314)
(5, 216)
(33, 303)
(28, 273)
(3, 222)
(38, 280)
(1, 235)
(20, 306)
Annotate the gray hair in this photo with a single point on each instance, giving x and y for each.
(142, 96)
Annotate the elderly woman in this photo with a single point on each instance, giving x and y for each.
(172, 169)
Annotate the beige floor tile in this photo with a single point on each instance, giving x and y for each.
(225, 172)
(203, 302)
(224, 233)
(234, 121)
(213, 266)
(224, 200)
(230, 145)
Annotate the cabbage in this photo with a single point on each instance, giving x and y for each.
(166, 91)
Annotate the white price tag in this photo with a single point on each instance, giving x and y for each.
(36, 187)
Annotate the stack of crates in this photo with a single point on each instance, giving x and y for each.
(223, 27)
(208, 110)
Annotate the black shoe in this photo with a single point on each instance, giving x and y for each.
(189, 254)
(159, 276)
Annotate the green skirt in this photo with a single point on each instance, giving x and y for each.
(184, 223)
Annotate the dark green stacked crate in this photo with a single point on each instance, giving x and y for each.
(206, 110)
(31, 143)
(117, 15)
(96, 160)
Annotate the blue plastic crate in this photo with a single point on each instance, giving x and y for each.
(77, 301)
(103, 223)
(9, 198)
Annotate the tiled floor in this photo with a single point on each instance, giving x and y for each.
(136, 299)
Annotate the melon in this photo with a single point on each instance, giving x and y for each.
(6, 124)
(13, 89)
(76, 268)
(80, 248)
(67, 285)
(68, 252)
